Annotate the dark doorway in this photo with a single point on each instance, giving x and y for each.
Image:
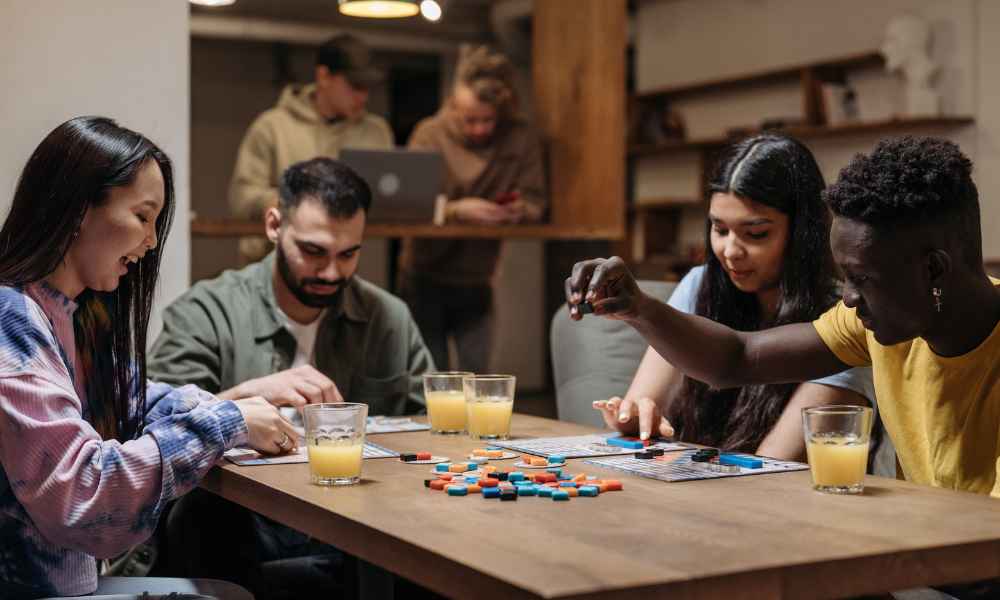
(414, 93)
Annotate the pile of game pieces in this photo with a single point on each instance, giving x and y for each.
(462, 467)
(490, 482)
(553, 460)
(488, 453)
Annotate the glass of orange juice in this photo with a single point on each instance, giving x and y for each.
(445, 401)
(490, 401)
(837, 439)
(335, 441)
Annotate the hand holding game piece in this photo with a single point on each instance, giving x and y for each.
(520, 211)
(634, 417)
(608, 286)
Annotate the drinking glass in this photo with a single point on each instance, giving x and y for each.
(335, 440)
(490, 402)
(837, 439)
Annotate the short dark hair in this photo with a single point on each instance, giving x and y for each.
(351, 57)
(333, 183)
(911, 181)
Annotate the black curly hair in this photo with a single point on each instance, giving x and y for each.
(912, 181)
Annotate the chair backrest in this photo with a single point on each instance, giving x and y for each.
(595, 359)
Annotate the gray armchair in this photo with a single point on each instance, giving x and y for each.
(595, 359)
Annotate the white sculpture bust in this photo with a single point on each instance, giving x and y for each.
(907, 38)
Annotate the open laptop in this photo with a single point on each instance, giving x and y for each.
(406, 185)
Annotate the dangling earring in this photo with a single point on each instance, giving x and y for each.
(76, 234)
(937, 298)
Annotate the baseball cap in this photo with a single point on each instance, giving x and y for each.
(350, 56)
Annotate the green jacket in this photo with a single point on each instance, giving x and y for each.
(225, 331)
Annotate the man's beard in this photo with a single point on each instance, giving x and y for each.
(297, 288)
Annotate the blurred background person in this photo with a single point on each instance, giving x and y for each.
(314, 120)
(494, 176)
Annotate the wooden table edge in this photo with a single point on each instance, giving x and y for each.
(863, 574)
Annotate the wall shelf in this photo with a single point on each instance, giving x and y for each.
(862, 59)
(803, 132)
(654, 222)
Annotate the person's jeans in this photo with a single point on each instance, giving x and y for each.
(209, 536)
(464, 313)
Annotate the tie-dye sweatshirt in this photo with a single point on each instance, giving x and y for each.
(66, 495)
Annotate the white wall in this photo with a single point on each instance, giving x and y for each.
(720, 38)
(522, 327)
(117, 58)
(683, 41)
(987, 172)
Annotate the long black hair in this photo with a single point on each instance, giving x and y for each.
(779, 172)
(71, 170)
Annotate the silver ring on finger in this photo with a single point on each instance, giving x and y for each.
(285, 443)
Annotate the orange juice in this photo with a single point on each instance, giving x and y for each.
(446, 410)
(335, 462)
(490, 418)
(837, 461)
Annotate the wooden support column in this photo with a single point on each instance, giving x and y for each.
(579, 79)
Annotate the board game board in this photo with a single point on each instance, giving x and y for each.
(394, 425)
(376, 424)
(678, 466)
(578, 446)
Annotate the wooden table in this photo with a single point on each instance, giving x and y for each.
(765, 536)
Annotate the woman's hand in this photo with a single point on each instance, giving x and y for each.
(269, 432)
(634, 417)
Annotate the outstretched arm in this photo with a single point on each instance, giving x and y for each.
(700, 347)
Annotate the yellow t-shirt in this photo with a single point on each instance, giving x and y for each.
(942, 414)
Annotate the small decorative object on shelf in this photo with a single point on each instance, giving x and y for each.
(907, 38)
(840, 103)
(654, 123)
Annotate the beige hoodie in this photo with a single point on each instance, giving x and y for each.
(290, 132)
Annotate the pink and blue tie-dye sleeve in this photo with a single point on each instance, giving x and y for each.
(193, 429)
(96, 496)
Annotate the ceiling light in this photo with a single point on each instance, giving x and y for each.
(431, 10)
(379, 9)
(213, 3)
